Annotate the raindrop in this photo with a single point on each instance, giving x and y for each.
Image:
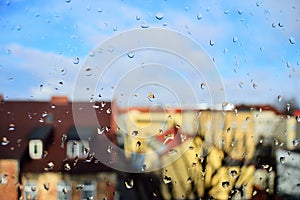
(160, 131)
(261, 141)
(254, 85)
(68, 1)
(280, 24)
(191, 148)
(276, 141)
(226, 12)
(46, 186)
(79, 187)
(60, 83)
(100, 10)
(199, 16)
(189, 180)
(108, 110)
(248, 119)
(241, 84)
(168, 138)
(233, 173)
(19, 28)
(138, 144)
(292, 40)
(63, 139)
(240, 11)
(63, 72)
(159, 15)
(130, 55)
(273, 25)
(211, 43)
(144, 167)
(202, 86)
(50, 166)
(115, 28)
(67, 167)
(288, 106)
(88, 71)
(33, 188)
(279, 97)
(254, 192)
(282, 159)
(225, 184)
(5, 141)
(177, 126)
(151, 96)
(234, 39)
(92, 53)
(228, 130)
(76, 60)
(129, 183)
(134, 133)
(100, 130)
(137, 18)
(144, 25)
(109, 148)
(295, 142)
(167, 179)
(11, 127)
(173, 152)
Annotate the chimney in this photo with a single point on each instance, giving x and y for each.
(59, 100)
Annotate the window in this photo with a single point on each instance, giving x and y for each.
(64, 190)
(89, 190)
(77, 148)
(30, 190)
(36, 149)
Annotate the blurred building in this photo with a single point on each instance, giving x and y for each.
(44, 154)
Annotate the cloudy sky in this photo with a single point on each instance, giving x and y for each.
(253, 46)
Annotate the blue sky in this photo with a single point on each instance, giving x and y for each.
(255, 42)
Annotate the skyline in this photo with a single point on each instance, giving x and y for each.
(254, 45)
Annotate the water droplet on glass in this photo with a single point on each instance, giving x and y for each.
(202, 86)
(88, 71)
(292, 40)
(282, 159)
(130, 55)
(109, 148)
(233, 173)
(79, 187)
(138, 144)
(226, 12)
(5, 141)
(279, 97)
(191, 148)
(254, 85)
(211, 43)
(63, 139)
(68, 1)
(115, 28)
(168, 138)
(151, 96)
(129, 183)
(225, 184)
(76, 60)
(108, 110)
(137, 18)
(189, 180)
(144, 25)
(240, 11)
(50, 166)
(261, 141)
(33, 188)
(248, 119)
(46, 186)
(11, 127)
(159, 15)
(228, 130)
(92, 53)
(100, 130)
(135, 133)
(173, 152)
(295, 142)
(63, 72)
(276, 141)
(234, 39)
(280, 24)
(199, 16)
(19, 28)
(241, 84)
(288, 106)
(254, 192)
(67, 167)
(167, 179)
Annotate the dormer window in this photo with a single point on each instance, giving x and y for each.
(77, 148)
(36, 149)
(78, 141)
(38, 141)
